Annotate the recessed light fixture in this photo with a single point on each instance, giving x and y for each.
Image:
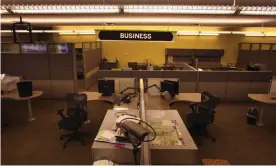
(81, 32)
(258, 10)
(60, 9)
(179, 9)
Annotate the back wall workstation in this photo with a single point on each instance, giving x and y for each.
(228, 85)
(51, 67)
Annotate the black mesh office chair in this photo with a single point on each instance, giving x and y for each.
(76, 115)
(202, 115)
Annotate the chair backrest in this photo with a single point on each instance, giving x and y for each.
(208, 105)
(75, 100)
(76, 106)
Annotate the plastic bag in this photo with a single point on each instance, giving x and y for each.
(8, 83)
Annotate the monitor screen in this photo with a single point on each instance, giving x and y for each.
(170, 87)
(176, 85)
(106, 87)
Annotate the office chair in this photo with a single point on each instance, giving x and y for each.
(202, 115)
(76, 115)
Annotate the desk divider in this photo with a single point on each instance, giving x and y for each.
(145, 152)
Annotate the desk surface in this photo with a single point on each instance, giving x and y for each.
(183, 154)
(15, 95)
(102, 150)
(263, 98)
(186, 154)
(187, 97)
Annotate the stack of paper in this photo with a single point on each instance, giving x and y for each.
(108, 136)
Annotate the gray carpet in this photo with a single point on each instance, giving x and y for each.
(37, 142)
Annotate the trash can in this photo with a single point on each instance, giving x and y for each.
(25, 89)
(252, 116)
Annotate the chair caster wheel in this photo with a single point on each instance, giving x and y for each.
(214, 140)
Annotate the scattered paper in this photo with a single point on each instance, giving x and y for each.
(117, 108)
(167, 133)
(108, 134)
(103, 162)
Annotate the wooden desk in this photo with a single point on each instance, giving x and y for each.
(97, 96)
(263, 99)
(14, 95)
(187, 97)
(109, 99)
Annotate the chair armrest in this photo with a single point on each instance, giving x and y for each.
(60, 112)
(193, 106)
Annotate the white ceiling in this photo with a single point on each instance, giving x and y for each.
(190, 2)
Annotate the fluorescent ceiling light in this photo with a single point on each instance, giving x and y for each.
(53, 31)
(202, 33)
(61, 9)
(187, 33)
(258, 10)
(244, 32)
(260, 34)
(218, 32)
(271, 35)
(179, 9)
(76, 33)
(133, 20)
(56, 31)
(208, 34)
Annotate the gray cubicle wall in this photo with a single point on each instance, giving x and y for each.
(187, 77)
(51, 72)
(228, 85)
(234, 85)
(213, 82)
(92, 58)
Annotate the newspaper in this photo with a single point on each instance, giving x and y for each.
(167, 133)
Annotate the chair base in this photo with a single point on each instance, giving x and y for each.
(198, 132)
(73, 136)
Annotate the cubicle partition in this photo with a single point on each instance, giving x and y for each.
(228, 85)
(92, 56)
(51, 67)
(260, 53)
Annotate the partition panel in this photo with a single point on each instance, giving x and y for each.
(36, 67)
(13, 64)
(61, 67)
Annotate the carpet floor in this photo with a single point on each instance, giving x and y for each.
(37, 142)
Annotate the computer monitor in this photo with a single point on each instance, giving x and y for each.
(167, 86)
(106, 87)
(176, 84)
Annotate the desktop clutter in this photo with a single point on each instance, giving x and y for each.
(11, 83)
(106, 87)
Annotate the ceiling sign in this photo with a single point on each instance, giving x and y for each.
(136, 35)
